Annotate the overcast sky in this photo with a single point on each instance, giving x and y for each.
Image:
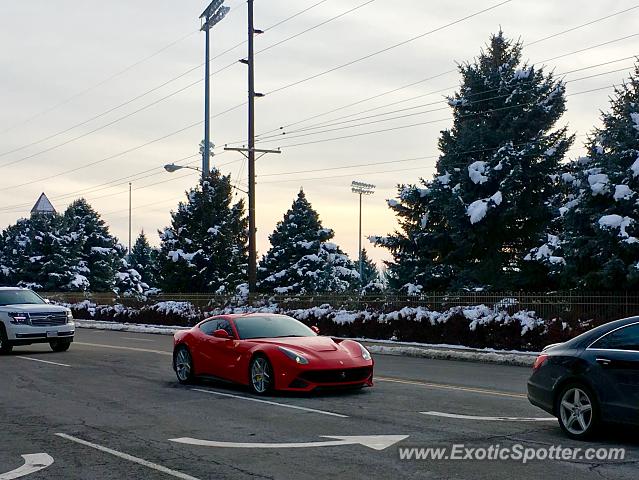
(62, 64)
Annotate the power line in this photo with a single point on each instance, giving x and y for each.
(392, 47)
(312, 128)
(401, 127)
(591, 22)
(147, 92)
(554, 35)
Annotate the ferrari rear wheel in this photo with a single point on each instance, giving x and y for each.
(261, 375)
(183, 364)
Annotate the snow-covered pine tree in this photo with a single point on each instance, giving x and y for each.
(371, 281)
(36, 254)
(474, 223)
(143, 259)
(96, 252)
(128, 281)
(205, 248)
(599, 241)
(301, 258)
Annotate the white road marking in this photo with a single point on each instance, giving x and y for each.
(489, 419)
(376, 442)
(451, 387)
(42, 361)
(117, 347)
(32, 463)
(130, 458)
(139, 339)
(252, 399)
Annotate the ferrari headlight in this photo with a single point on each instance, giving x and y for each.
(293, 355)
(366, 355)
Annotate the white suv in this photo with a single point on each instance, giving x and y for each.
(26, 318)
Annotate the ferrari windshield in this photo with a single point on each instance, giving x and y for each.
(19, 297)
(271, 326)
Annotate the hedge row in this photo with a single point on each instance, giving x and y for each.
(475, 326)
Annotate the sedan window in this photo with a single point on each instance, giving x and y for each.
(626, 338)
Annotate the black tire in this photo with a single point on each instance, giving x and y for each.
(183, 365)
(60, 345)
(261, 376)
(5, 346)
(580, 401)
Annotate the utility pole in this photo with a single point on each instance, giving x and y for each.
(130, 191)
(250, 152)
(361, 188)
(213, 14)
(252, 266)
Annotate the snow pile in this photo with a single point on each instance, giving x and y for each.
(616, 221)
(476, 172)
(622, 192)
(477, 210)
(598, 183)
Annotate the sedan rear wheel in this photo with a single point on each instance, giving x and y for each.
(261, 375)
(577, 411)
(183, 364)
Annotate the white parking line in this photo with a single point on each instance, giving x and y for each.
(128, 457)
(489, 419)
(117, 347)
(443, 386)
(42, 361)
(252, 399)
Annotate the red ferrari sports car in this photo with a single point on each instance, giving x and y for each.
(269, 352)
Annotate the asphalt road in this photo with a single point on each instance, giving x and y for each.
(108, 407)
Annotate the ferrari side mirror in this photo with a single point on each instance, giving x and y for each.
(221, 333)
(315, 329)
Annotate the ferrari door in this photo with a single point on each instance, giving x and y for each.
(220, 352)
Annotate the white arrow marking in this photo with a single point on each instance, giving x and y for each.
(376, 442)
(490, 419)
(32, 463)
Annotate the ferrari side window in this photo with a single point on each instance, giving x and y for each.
(225, 325)
(209, 327)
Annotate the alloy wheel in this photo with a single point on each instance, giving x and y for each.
(183, 365)
(261, 375)
(576, 411)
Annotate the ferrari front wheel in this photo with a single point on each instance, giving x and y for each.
(261, 377)
(183, 364)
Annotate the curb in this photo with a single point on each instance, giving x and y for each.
(434, 352)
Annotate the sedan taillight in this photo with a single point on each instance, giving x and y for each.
(539, 361)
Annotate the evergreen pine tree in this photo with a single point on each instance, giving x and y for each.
(205, 248)
(474, 223)
(301, 258)
(96, 252)
(371, 281)
(597, 247)
(143, 259)
(36, 253)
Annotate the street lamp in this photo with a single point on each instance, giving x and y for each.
(361, 188)
(212, 15)
(172, 167)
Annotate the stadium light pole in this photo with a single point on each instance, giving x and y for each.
(361, 188)
(211, 16)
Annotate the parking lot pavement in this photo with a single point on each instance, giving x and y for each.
(110, 408)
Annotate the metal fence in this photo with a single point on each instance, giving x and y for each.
(605, 305)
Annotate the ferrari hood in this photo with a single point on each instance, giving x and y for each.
(309, 344)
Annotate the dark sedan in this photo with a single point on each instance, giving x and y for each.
(591, 379)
